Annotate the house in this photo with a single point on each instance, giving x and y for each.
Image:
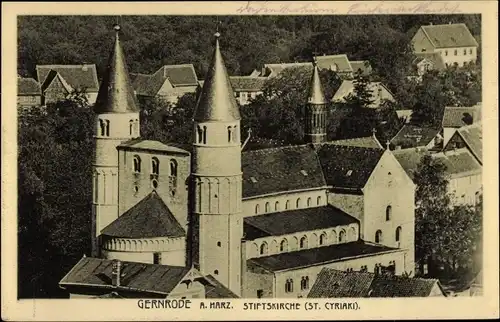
(59, 81)
(245, 88)
(470, 137)
(463, 171)
(379, 93)
(457, 117)
(273, 70)
(336, 63)
(361, 65)
(105, 278)
(169, 82)
(453, 42)
(427, 61)
(29, 92)
(332, 283)
(414, 136)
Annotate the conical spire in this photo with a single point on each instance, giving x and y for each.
(316, 95)
(116, 94)
(217, 102)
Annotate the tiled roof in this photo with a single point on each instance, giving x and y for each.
(348, 166)
(139, 277)
(275, 69)
(148, 85)
(297, 220)
(142, 144)
(364, 65)
(280, 169)
(216, 290)
(409, 159)
(379, 92)
(177, 75)
(473, 137)
(149, 218)
(333, 283)
(364, 142)
(461, 116)
(180, 75)
(459, 162)
(77, 76)
(450, 35)
(247, 83)
(339, 63)
(412, 136)
(435, 58)
(28, 86)
(319, 255)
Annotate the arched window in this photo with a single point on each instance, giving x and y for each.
(318, 200)
(352, 234)
(277, 205)
(268, 207)
(229, 134)
(298, 203)
(287, 205)
(107, 127)
(257, 209)
(289, 285)
(342, 236)
(304, 283)
(102, 125)
(309, 202)
(173, 168)
(388, 213)
(378, 236)
(322, 239)
(137, 164)
(200, 134)
(131, 126)
(398, 233)
(284, 245)
(155, 166)
(204, 135)
(263, 248)
(303, 242)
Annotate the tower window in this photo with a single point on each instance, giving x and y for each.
(107, 127)
(229, 134)
(204, 135)
(156, 258)
(342, 236)
(378, 236)
(304, 283)
(303, 242)
(155, 166)
(137, 164)
(388, 213)
(200, 134)
(289, 285)
(173, 168)
(263, 248)
(104, 126)
(284, 245)
(131, 126)
(398, 233)
(322, 239)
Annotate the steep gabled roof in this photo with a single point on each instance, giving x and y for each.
(473, 138)
(276, 69)
(77, 76)
(28, 86)
(297, 220)
(435, 58)
(248, 83)
(378, 92)
(409, 159)
(459, 162)
(149, 218)
(363, 142)
(412, 136)
(399, 286)
(180, 75)
(216, 290)
(449, 36)
(148, 85)
(280, 169)
(460, 116)
(339, 62)
(348, 167)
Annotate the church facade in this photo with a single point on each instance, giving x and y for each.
(259, 223)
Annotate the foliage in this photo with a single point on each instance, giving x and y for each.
(362, 96)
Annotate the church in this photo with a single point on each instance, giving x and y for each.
(216, 221)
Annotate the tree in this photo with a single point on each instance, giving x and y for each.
(362, 96)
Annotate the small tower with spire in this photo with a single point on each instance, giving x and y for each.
(216, 222)
(316, 110)
(116, 121)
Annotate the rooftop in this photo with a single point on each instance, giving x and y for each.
(78, 76)
(28, 86)
(142, 144)
(339, 63)
(412, 136)
(362, 142)
(435, 58)
(297, 220)
(248, 83)
(378, 90)
(319, 255)
(473, 138)
(460, 116)
(449, 35)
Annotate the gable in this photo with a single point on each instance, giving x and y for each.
(77, 76)
(389, 164)
(180, 75)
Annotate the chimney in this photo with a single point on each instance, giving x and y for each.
(116, 272)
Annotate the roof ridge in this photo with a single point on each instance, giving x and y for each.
(65, 66)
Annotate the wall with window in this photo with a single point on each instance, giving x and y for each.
(389, 204)
(465, 189)
(29, 100)
(188, 289)
(167, 173)
(282, 279)
(258, 282)
(302, 240)
(459, 55)
(285, 201)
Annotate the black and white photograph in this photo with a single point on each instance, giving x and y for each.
(264, 156)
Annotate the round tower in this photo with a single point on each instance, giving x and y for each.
(217, 223)
(316, 110)
(116, 120)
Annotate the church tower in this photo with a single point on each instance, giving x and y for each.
(217, 223)
(116, 120)
(316, 110)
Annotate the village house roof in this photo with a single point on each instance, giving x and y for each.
(449, 35)
(28, 86)
(412, 136)
(363, 142)
(363, 65)
(275, 69)
(247, 83)
(319, 255)
(280, 169)
(435, 58)
(147, 85)
(460, 116)
(297, 220)
(332, 283)
(149, 145)
(142, 279)
(409, 159)
(379, 92)
(77, 76)
(339, 63)
(178, 76)
(473, 136)
(348, 167)
(149, 218)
